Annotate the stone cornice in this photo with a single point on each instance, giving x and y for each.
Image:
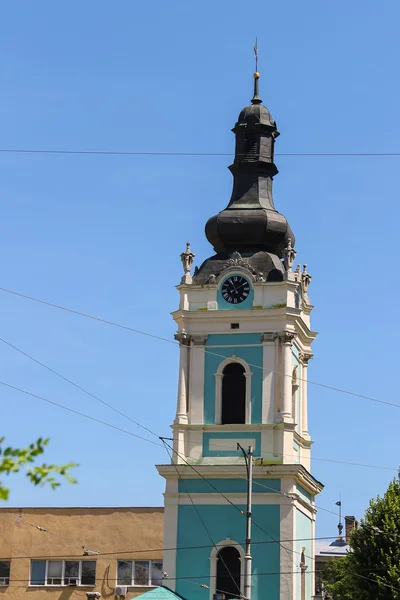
(269, 471)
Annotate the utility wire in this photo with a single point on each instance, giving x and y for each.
(199, 515)
(146, 428)
(139, 437)
(164, 339)
(76, 412)
(227, 499)
(147, 550)
(77, 386)
(132, 153)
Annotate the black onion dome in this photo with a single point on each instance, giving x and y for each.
(250, 223)
(256, 113)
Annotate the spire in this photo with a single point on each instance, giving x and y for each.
(251, 222)
(256, 98)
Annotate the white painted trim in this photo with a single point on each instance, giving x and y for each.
(218, 388)
(213, 564)
(170, 539)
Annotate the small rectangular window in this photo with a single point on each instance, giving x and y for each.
(63, 572)
(124, 572)
(71, 572)
(156, 573)
(38, 572)
(4, 572)
(234, 325)
(143, 573)
(54, 572)
(88, 576)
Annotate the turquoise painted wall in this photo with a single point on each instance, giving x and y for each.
(304, 531)
(251, 354)
(303, 493)
(226, 522)
(246, 304)
(226, 486)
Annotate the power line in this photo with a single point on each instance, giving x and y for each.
(143, 426)
(227, 499)
(147, 550)
(76, 412)
(134, 330)
(164, 339)
(141, 438)
(77, 386)
(177, 154)
(200, 517)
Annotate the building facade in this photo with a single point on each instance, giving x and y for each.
(70, 553)
(245, 341)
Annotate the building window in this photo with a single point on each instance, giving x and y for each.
(4, 572)
(228, 572)
(143, 573)
(233, 394)
(63, 572)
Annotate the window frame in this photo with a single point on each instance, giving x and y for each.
(62, 584)
(218, 388)
(5, 581)
(133, 561)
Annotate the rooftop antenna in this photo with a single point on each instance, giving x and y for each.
(340, 524)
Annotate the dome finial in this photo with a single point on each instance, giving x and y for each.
(256, 98)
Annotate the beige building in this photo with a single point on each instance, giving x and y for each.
(71, 553)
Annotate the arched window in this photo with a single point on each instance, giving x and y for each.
(228, 572)
(233, 394)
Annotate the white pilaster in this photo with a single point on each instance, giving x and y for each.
(286, 338)
(269, 378)
(304, 357)
(181, 408)
(196, 389)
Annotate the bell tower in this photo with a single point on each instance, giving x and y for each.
(244, 332)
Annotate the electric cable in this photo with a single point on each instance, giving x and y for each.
(227, 499)
(199, 516)
(147, 550)
(164, 339)
(77, 386)
(176, 154)
(77, 412)
(58, 374)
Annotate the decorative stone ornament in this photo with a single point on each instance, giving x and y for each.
(305, 279)
(187, 258)
(289, 254)
(183, 338)
(305, 357)
(236, 260)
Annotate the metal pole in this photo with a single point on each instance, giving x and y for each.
(247, 558)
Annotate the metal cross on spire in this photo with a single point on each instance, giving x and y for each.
(256, 54)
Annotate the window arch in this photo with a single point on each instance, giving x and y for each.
(228, 572)
(234, 563)
(233, 392)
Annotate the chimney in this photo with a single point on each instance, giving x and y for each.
(350, 523)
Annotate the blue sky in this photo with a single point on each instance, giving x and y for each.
(103, 234)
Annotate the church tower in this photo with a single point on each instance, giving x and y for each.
(243, 326)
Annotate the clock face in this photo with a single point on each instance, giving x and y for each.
(235, 289)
